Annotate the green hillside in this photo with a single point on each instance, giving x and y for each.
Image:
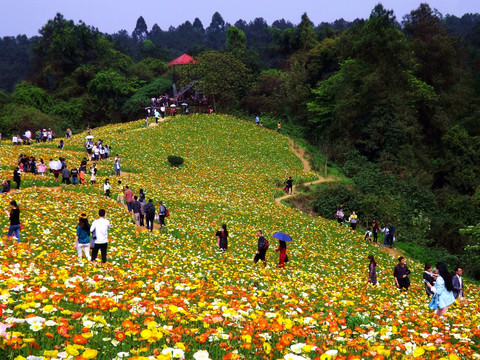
(170, 294)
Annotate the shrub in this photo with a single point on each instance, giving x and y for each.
(175, 160)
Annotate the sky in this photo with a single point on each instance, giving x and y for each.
(28, 16)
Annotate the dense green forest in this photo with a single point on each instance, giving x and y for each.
(395, 104)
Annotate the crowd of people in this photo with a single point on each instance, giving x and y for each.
(371, 234)
(444, 287)
(97, 150)
(144, 212)
(41, 135)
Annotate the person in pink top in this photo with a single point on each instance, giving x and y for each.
(129, 198)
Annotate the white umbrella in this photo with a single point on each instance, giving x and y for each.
(55, 165)
(89, 137)
(173, 105)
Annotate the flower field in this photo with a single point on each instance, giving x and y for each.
(172, 295)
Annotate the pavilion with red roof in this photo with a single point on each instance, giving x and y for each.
(184, 59)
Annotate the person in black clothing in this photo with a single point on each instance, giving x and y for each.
(401, 273)
(16, 176)
(149, 214)
(262, 249)
(429, 278)
(136, 207)
(74, 176)
(289, 185)
(223, 238)
(375, 229)
(14, 215)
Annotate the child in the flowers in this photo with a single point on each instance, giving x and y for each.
(82, 241)
(282, 248)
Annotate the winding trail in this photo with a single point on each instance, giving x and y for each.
(303, 156)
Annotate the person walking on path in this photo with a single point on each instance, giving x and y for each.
(389, 237)
(101, 227)
(116, 166)
(120, 196)
(141, 200)
(257, 120)
(372, 270)
(458, 283)
(74, 175)
(443, 291)
(149, 214)
(93, 171)
(82, 240)
(400, 273)
(128, 198)
(282, 249)
(136, 207)
(14, 215)
(289, 185)
(339, 215)
(353, 221)
(106, 188)
(65, 176)
(222, 235)
(16, 176)
(428, 279)
(375, 230)
(262, 247)
(162, 213)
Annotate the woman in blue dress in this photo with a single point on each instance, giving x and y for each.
(443, 291)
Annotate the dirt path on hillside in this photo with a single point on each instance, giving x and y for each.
(303, 156)
(156, 225)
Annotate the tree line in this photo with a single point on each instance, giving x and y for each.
(393, 103)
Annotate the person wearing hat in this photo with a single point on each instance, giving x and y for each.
(162, 212)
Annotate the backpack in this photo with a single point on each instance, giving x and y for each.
(266, 245)
(167, 212)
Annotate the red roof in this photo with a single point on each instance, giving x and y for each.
(184, 59)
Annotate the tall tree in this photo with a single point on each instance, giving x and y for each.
(141, 31)
(221, 75)
(62, 47)
(216, 32)
(236, 39)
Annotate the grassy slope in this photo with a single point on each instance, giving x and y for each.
(203, 299)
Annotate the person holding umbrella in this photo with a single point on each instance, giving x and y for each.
(56, 167)
(282, 247)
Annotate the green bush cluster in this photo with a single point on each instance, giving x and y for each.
(175, 160)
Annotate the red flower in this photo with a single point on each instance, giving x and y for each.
(120, 335)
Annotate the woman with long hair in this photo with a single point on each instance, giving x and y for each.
(372, 270)
(82, 241)
(106, 188)
(14, 215)
(223, 238)
(443, 290)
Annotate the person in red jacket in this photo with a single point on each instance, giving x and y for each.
(282, 248)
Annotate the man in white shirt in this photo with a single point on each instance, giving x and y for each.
(100, 226)
(458, 283)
